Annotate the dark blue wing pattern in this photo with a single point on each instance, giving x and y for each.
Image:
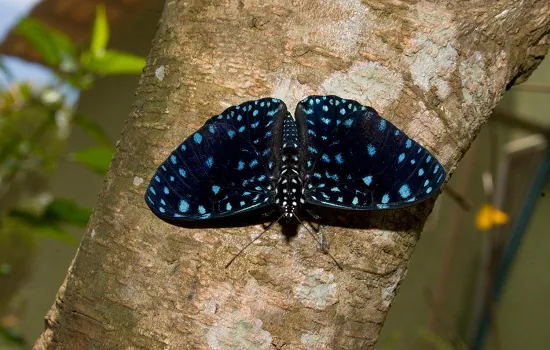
(354, 159)
(348, 157)
(224, 168)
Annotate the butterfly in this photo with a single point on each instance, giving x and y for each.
(336, 153)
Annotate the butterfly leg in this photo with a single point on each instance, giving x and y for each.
(252, 241)
(266, 215)
(315, 228)
(313, 214)
(321, 242)
(315, 217)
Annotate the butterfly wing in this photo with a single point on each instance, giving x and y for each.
(355, 159)
(224, 168)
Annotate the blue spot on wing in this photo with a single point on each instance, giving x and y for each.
(405, 191)
(371, 150)
(367, 180)
(210, 162)
(198, 138)
(401, 157)
(183, 206)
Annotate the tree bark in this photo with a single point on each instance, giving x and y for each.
(434, 70)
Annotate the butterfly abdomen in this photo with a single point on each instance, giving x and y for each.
(289, 184)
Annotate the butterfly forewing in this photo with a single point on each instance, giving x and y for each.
(224, 168)
(355, 159)
(260, 122)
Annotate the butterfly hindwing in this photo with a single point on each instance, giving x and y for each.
(222, 169)
(355, 159)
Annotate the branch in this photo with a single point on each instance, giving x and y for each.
(436, 71)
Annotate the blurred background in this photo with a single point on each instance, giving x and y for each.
(68, 72)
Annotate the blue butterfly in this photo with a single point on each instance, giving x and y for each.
(337, 153)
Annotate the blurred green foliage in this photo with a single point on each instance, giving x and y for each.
(80, 67)
(95, 158)
(423, 339)
(35, 122)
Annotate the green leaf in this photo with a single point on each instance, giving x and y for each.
(66, 211)
(24, 215)
(92, 128)
(54, 46)
(43, 225)
(100, 33)
(25, 90)
(58, 211)
(95, 158)
(55, 232)
(81, 81)
(113, 62)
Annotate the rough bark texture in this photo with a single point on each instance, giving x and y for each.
(434, 70)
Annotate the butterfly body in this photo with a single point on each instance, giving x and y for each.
(289, 195)
(335, 153)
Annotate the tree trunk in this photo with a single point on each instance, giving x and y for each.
(436, 71)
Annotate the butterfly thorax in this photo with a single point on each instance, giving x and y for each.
(289, 184)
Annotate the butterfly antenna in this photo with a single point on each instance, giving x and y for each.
(317, 240)
(252, 241)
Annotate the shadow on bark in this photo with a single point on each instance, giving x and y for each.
(388, 219)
